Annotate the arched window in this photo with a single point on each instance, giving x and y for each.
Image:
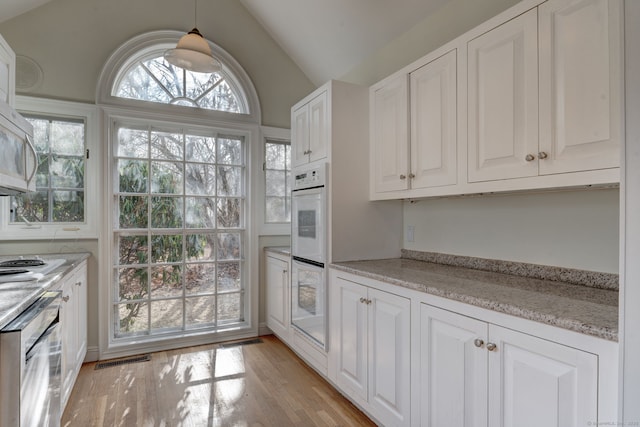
(155, 80)
(179, 147)
(137, 73)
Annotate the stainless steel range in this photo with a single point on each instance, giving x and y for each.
(30, 349)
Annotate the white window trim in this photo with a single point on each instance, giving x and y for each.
(270, 229)
(62, 231)
(110, 347)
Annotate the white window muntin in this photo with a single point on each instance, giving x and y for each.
(89, 229)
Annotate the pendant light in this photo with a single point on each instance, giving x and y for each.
(193, 52)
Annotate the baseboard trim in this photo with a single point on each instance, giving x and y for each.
(263, 329)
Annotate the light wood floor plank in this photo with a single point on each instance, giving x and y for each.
(252, 385)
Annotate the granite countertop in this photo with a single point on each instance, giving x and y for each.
(283, 250)
(588, 310)
(16, 296)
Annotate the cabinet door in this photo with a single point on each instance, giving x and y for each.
(453, 369)
(68, 337)
(503, 101)
(352, 338)
(534, 382)
(300, 135)
(389, 136)
(277, 275)
(318, 127)
(7, 73)
(433, 123)
(580, 85)
(80, 304)
(389, 357)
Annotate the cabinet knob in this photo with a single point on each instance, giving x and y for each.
(284, 271)
(411, 176)
(478, 342)
(403, 177)
(362, 299)
(542, 155)
(492, 347)
(529, 158)
(78, 283)
(65, 298)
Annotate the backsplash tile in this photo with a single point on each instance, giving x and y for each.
(592, 279)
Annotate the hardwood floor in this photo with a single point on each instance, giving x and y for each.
(262, 384)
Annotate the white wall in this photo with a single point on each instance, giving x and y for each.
(72, 39)
(575, 229)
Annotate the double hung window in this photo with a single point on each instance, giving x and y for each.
(179, 229)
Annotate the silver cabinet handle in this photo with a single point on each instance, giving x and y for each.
(403, 177)
(65, 298)
(492, 347)
(478, 342)
(542, 155)
(529, 158)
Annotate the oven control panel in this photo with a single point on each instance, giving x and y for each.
(309, 178)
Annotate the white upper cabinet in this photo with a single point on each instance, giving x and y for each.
(413, 128)
(389, 126)
(433, 123)
(503, 101)
(7, 73)
(530, 99)
(580, 85)
(310, 131)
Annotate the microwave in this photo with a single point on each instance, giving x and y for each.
(18, 157)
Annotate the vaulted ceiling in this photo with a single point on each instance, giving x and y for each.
(327, 38)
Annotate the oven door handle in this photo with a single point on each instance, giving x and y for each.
(41, 340)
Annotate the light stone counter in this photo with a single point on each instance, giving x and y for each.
(16, 296)
(588, 310)
(282, 250)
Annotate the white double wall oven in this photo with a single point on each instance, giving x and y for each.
(309, 252)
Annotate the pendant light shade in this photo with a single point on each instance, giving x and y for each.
(193, 53)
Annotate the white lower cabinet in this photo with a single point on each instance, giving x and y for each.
(370, 349)
(473, 374)
(73, 326)
(277, 273)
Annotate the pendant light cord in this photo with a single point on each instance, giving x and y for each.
(195, 14)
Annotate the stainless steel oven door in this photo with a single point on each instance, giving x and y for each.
(30, 363)
(308, 224)
(308, 300)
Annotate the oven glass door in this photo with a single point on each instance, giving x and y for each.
(308, 224)
(308, 300)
